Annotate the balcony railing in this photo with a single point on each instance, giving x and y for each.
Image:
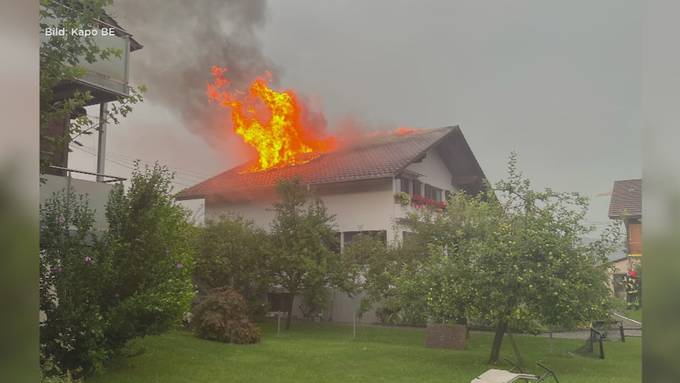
(100, 176)
(106, 79)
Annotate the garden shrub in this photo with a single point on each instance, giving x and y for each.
(305, 243)
(99, 289)
(222, 315)
(387, 315)
(233, 253)
(71, 271)
(150, 245)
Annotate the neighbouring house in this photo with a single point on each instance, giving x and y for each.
(363, 185)
(106, 81)
(626, 205)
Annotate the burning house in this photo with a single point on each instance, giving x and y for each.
(363, 184)
(359, 184)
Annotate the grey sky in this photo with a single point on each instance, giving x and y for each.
(559, 82)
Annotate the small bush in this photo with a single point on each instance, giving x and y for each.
(222, 315)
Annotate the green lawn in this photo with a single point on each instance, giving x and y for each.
(327, 353)
(634, 314)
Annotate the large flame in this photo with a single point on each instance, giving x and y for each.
(269, 121)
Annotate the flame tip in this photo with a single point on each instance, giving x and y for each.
(268, 120)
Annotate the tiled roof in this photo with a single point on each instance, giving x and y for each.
(626, 199)
(374, 157)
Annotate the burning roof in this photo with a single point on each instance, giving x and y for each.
(291, 145)
(377, 156)
(270, 121)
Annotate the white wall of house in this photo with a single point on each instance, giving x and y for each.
(261, 212)
(355, 208)
(434, 171)
(97, 194)
(360, 210)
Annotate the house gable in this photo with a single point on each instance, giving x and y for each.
(432, 170)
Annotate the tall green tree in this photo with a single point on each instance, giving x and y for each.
(373, 268)
(515, 258)
(303, 242)
(234, 253)
(152, 257)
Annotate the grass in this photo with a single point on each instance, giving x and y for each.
(321, 352)
(634, 314)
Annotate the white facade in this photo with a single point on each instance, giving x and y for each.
(433, 170)
(97, 194)
(357, 206)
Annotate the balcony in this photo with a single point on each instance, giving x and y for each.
(106, 80)
(97, 192)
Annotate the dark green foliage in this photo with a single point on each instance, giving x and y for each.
(222, 315)
(514, 258)
(303, 239)
(234, 253)
(314, 302)
(100, 289)
(372, 268)
(72, 269)
(152, 258)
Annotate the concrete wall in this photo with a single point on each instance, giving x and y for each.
(97, 194)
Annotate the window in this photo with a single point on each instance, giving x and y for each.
(278, 301)
(405, 185)
(433, 193)
(417, 188)
(349, 236)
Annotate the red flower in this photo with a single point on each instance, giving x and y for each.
(419, 201)
(632, 273)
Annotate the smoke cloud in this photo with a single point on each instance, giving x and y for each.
(182, 41)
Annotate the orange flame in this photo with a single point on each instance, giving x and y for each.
(269, 121)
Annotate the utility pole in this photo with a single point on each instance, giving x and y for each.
(101, 141)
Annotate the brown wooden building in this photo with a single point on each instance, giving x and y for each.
(626, 205)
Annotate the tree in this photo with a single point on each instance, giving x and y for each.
(234, 253)
(152, 256)
(441, 257)
(100, 289)
(71, 271)
(61, 59)
(523, 255)
(369, 266)
(303, 239)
